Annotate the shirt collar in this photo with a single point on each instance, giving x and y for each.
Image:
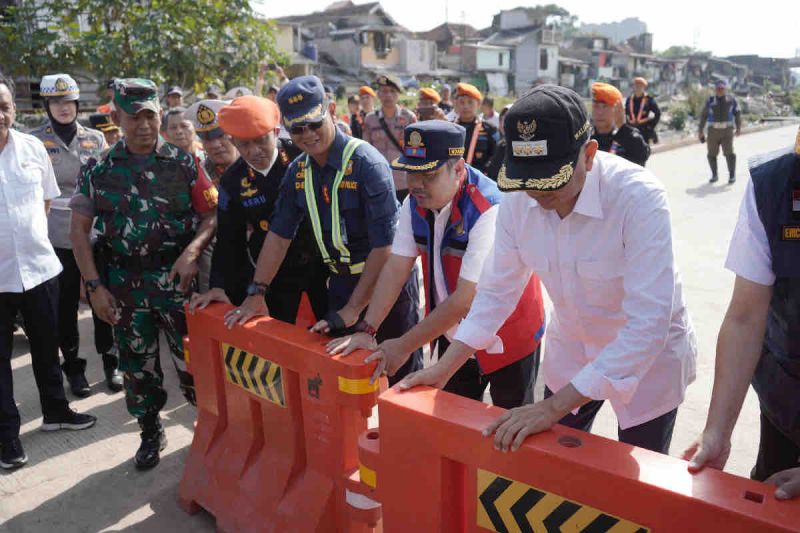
(271, 164)
(336, 151)
(588, 203)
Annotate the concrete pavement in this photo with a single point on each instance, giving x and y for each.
(85, 481)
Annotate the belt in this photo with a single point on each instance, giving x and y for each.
(353, 270)
(154, 261)
(720, 125)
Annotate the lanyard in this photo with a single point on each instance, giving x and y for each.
(311, 202)
(474, 141)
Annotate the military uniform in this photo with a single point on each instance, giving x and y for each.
(722, 115)
(246, 204)
(626, 142)
(351, 205)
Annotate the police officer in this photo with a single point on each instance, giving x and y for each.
(218, 154)
(248, 193)
(383, 128)
(610, 131)
(642, 111)
(428, 105)
(722, 115)
(758, 339)
(174, 97)
(141, 198)
(102, 122)
(70, 146)
(343, 187)
(451, 207)
(481, 140)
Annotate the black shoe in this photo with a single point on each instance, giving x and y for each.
(731, 180)
(67, 419)
(12, 455)
(114, 379)
(154, 440)
(76, 377)
(713, 179)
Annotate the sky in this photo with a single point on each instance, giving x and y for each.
(767, 27)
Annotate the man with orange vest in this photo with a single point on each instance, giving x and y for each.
(481, 137)
(642, 111)
(449, 221)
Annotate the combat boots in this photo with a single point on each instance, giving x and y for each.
(712, 162)
(731, 161)
(113, 375)
(154, 440)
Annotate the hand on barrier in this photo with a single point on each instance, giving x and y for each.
(346, 315)
(391, 356)
(433, 376)
(347, 345)
(201, 301)
(185, 269)
(788, 483)
(711, 450)
(104, 305)
(515, 425)
(252, 306)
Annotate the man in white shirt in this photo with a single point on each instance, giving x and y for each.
(29, 271)
(449, 221)
(759, 339)
(596, 230)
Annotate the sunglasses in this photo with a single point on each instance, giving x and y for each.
(313, 126)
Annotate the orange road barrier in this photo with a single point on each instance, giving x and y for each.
(278, 422)
(305, 315)
(433, 471)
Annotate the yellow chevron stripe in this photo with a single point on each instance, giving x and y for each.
(262, 391)
(251, 381)
(247, 381)
(357, 386)
(272, 393)
(368, 476)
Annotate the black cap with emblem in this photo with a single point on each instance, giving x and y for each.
(545, 130)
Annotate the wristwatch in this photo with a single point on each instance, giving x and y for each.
(92, 285)
(364, 327)
(258, 288)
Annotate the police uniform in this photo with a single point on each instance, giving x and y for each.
(247, 200)
(145, 208)
(457, 252)
(638, 110)
(722, 115)
(386, 133)
(765, 249)
(351, 205)
(480, 142)
(67, 160)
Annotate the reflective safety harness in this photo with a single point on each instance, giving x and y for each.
(336, 222)
(634, 117)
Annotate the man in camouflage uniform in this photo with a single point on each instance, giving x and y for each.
(70, 146)
(145, 195)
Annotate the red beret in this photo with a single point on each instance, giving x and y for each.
(608, 94)
(430, 94)
(465, 89)
(366, 89)
(249, 117)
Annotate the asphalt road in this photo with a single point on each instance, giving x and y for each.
(85, 481)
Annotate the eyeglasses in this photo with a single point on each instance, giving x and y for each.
(313, 126)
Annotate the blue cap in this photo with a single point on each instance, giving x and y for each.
(302, 100)
(429, 144)
(721, 83)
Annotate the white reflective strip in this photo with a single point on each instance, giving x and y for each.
(359, 501)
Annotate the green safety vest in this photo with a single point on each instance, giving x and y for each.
(336, 228)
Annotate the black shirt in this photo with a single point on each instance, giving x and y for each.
(625, 142)
(485, 147)
(246, 204)
(649, 105)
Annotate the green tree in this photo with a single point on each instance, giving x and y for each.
(682, 51)
(189, 44)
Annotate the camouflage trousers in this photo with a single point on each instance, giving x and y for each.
(148, 304)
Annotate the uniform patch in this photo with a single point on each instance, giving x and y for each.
(796, 200)
(349, 169)
(326, 194)
(89, 145)
(526, 130)
(529, 148)
(264, 225)
(50, 144)
(790, 233)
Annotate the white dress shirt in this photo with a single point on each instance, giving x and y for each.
(478, 247)
(749, 255)
(27, 258)
(619, 330)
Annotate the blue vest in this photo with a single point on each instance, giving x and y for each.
(731, 109)
(777, 377)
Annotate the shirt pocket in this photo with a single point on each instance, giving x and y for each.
(350, 215)
(602, 282)
(28, 184)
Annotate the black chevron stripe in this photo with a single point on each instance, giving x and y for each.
(251, 372)
(229, 356)
(263, 379)
(279, 385)
(489, 496)
(559, 515)
(601, 524)
(523, 505)
(240, 364)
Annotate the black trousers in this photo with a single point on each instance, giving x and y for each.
(39, 308)
(776, 452)
(403, 316)
(509, 385)
(69, 293)
(653, 435)
(287, 290)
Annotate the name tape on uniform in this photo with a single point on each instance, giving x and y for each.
(507, 506)
(254, 374)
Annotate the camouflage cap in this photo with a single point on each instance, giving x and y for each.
(136, 94)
